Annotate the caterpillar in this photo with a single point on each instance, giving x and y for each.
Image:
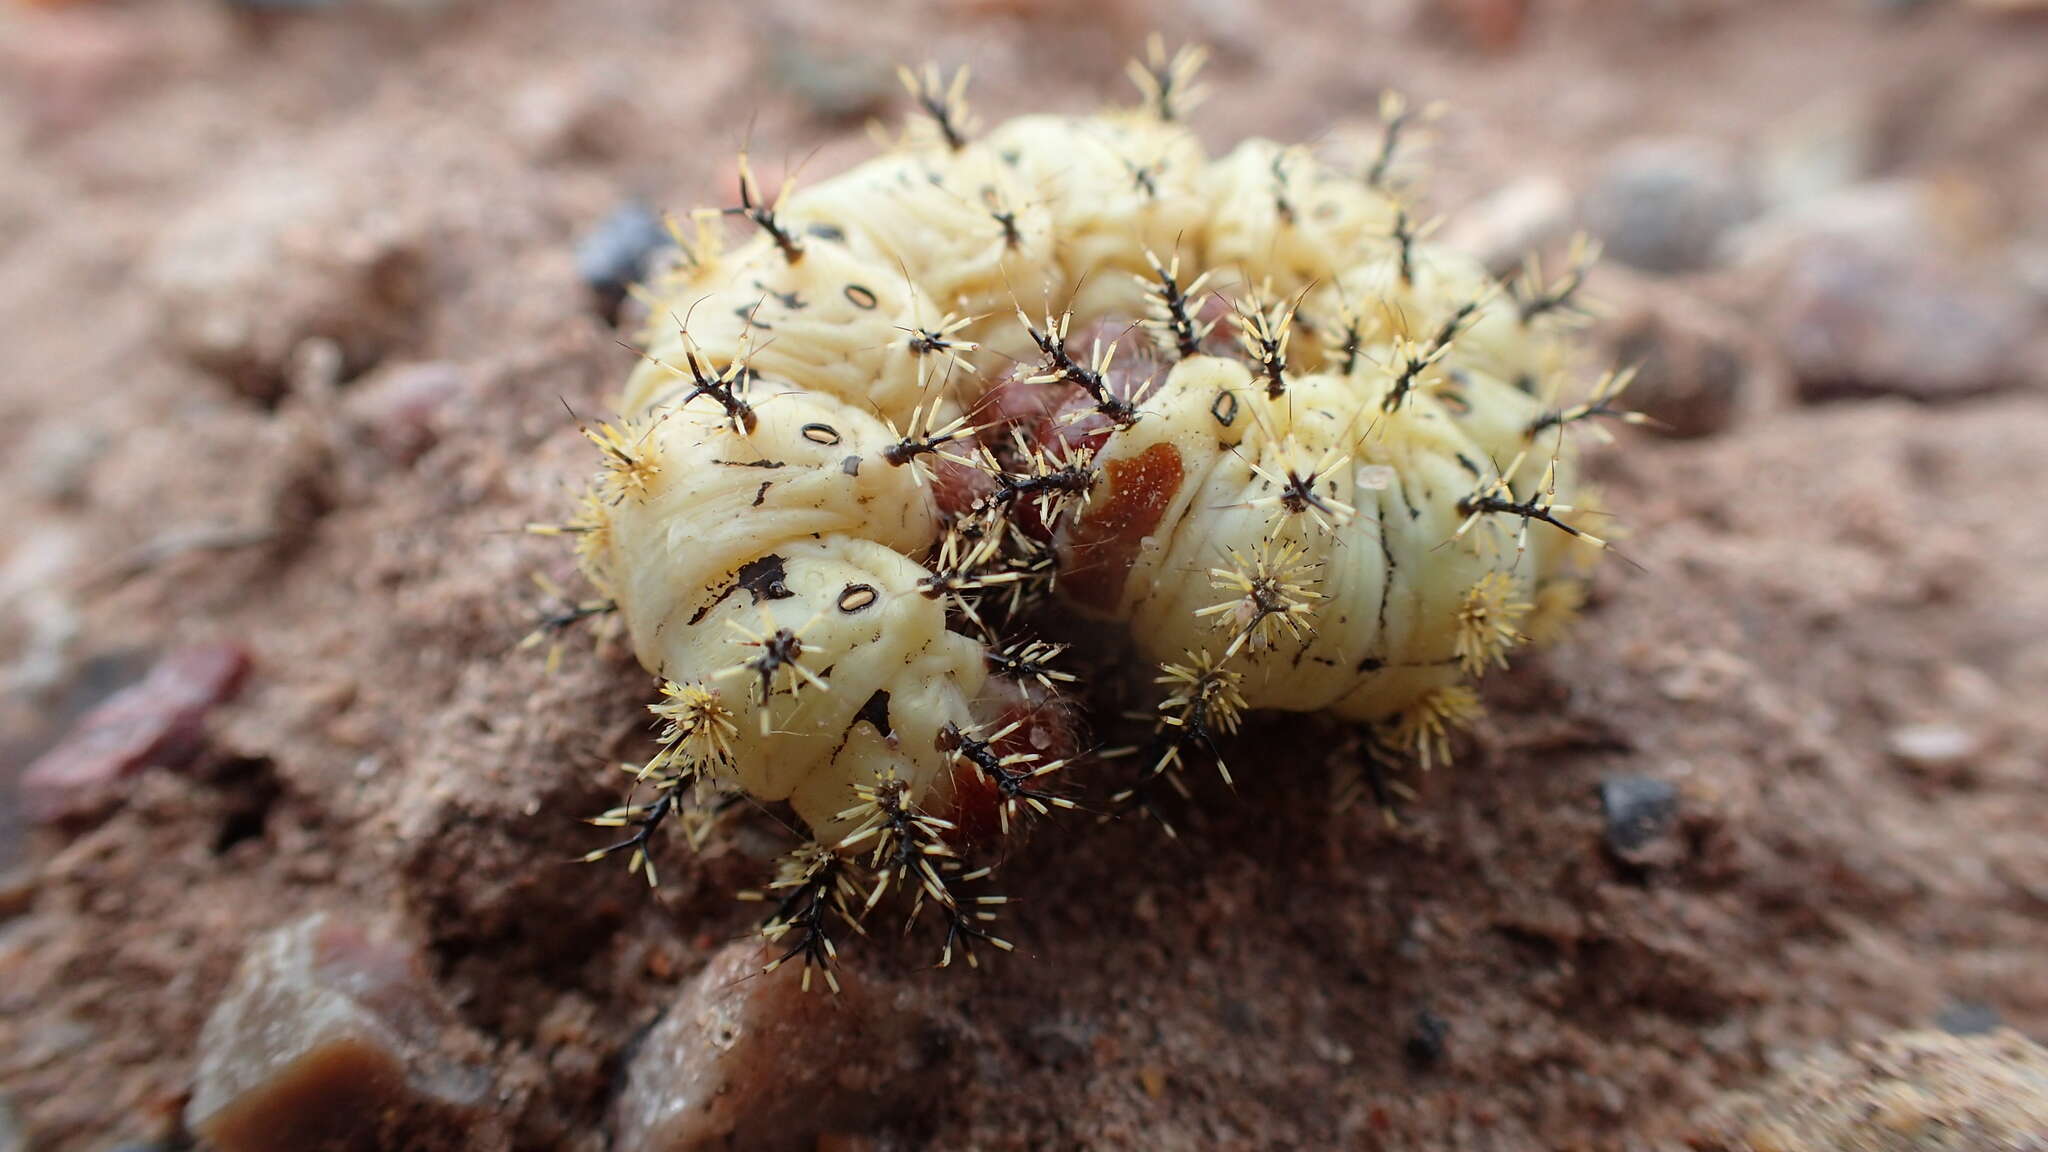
(1306, 460)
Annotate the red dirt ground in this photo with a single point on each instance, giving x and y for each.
(1807, 582)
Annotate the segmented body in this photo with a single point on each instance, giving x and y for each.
(1236, 405)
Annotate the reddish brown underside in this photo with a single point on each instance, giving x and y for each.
(1046, 724)
(1098, 554)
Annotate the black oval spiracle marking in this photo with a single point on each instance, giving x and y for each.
(860, 297)
(855, 597)
(1225, 408)
(821, 434)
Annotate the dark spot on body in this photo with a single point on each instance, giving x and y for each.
(765, 578)
(1387, 583)
(876, 713)
(792, 300)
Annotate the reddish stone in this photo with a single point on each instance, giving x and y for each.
(332, 1036)
(743, 1060)
(160, 721)
(398, 411)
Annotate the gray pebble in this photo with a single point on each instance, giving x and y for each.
(1662, 205)
(1640, 811)
(616, 253)
(1424, 1047)
(1968, 1018)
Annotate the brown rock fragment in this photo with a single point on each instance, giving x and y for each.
(158, 721)
(745, 1060)
(1868, 321)
(1689, 382)
(397, 411)
(1697, 371)
(1891, 288)
(330, 1037)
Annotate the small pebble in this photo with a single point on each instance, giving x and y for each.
(332, 1035)
(1969, 1018)
(1640, 811)
(1424, 1047)
(580, 117)
(616, 254)
(1891, 288)
(835, 88)
(160, 721)
(1933, 747)
(737, 1049)
(397, 409)
(1689, 387)
(1696, 369)
(1859, 321)
(1662, 205)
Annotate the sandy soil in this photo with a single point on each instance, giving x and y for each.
(191, 193)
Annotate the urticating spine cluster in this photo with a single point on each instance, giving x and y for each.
(1239, 405)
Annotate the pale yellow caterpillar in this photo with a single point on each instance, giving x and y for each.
(1240, 406)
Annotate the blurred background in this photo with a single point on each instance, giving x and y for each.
(294, 293)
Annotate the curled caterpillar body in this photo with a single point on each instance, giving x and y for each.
(1239, 405)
